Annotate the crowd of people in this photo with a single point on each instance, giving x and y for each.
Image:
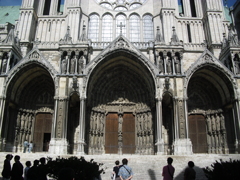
(120, 172)
(37, 171)
(18, 172)
(124, 172)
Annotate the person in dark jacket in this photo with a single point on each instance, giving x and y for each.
(42, 169)
(32, 173)
(17, 169)
(6, 172)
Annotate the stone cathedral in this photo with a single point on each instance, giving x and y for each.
(121, 77)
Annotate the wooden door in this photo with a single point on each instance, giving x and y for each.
(197, 133)
(111, 134)
(42, 132)
(128, 130)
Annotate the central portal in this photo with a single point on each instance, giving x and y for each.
(120, 133)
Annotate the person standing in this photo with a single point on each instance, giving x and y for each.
(30, 146)
(125, 172)
(17, 169)
(6, 172)
(168, 170)
(116, 170)
(33, 172)
(28, 165)
(25, 146)
(190, 173)
(42, 169)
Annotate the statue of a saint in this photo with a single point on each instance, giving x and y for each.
(73, 62)
(64, 65)
(177, 65)
(81, 62)
(160, 65)
(169, 65)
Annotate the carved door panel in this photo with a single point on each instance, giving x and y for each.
(197, 133)
(128, 131)
(111, 134)
(42, 132)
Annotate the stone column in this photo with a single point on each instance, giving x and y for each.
(81, 143)
(183, 145)
(1, 61)
(58, 143)
(159, 142)
(2, 107)
(236, 116)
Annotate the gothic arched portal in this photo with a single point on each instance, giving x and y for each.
(210, 107)
(29, 108)
(120, 106)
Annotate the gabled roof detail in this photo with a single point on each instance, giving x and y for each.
(120, 43)
(207, 58)
(33, 56)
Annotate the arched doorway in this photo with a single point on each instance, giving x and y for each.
(210, 107)
(29, 108)
(120, 106)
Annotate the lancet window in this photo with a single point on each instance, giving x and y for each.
(148, 28)
(134, 24)
(93, 27)
(107, 28)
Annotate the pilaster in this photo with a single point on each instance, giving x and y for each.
(58, 143)
(182, 144)
(159, 140)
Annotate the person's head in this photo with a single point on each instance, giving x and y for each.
(9, 156)
(43, 160)
(117, 162)
(169, 160)
(16, 158)
(124, 161)
(35, 162)
(66, 174)
(190, 164)
(28, 163)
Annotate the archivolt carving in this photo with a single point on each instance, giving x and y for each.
(207, 58)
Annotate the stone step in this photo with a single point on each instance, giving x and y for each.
(145, 167)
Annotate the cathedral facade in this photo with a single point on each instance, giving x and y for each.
(121, 77)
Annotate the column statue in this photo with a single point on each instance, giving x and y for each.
(177, 65)
(169, 65)
(81, 62)
(72, 67)
(64, 65)
(160, 65)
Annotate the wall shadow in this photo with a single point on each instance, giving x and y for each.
(199, 174)
(152, 174)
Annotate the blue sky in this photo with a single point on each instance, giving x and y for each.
(18, 2)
